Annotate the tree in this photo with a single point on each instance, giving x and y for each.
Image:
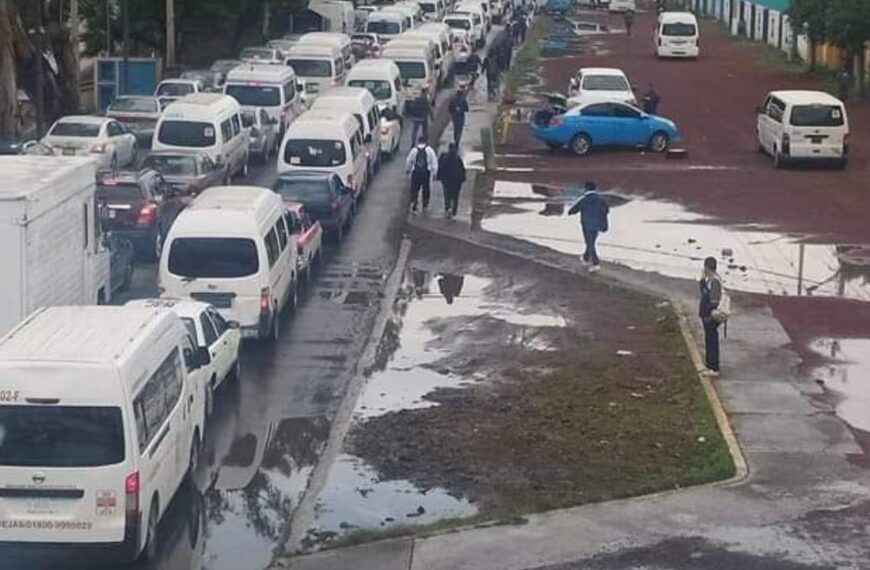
(8, 83)
(848, 26)
(809, 17)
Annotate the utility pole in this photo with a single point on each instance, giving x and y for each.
(74, 25)
(267, 17)
(170, 34)
(108, 28)
(125, 76)
(40, 71)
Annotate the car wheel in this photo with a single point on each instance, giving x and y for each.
(149, 551)
(209, 397)
(128, 278)
(581, 145)
(158, 244)
(659, 142)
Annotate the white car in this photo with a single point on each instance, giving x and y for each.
(587, 28)
(219, 337)
(170, 90)
(597, 84)
(107, 141)
(391, 131)
(622, 6)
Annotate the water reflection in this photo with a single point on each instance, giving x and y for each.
(845, 376)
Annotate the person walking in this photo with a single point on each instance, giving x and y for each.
(711, 295)
(844, 82)
(451, 173)
(420, 111)
(421, 166)
(593, 220)
(628, 18)
(490, 68)
(651, 100)
(458, 108)
(473, 66)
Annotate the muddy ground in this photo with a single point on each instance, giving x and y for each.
(555, 415)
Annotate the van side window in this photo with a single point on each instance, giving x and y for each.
(398, 84)
(157, 399)
(373, 118)
(339, 66)
(290, 90)
(272, 247)
(281, 228)
(237, 125)
(226, 130)
(776, 109)
(355, 145)
(207, 329)
(220, 325)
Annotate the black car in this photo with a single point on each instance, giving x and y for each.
(120, 262)
(323, 195)
(139, 206)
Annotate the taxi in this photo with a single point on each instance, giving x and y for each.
(309, 239)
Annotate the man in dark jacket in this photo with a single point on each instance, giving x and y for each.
(420, 112)
(711, 295)
(593, 220)
(451, 173)
(651, 100)
(458, 108)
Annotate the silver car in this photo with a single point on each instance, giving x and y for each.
(262, 131)
(189, 172)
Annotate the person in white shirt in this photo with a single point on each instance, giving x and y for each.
(422, 166)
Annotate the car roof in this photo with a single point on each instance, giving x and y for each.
(357, 93)
(806, 97)
(181, 307)
(603, 71)
(85, 119)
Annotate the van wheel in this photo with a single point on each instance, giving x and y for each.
(293, 301)
(209, 397)
(158, 244)
(777, 159)
(149, 552)
(193, 465)
(275, 333)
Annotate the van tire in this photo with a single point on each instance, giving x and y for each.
(158, 245)
(209, 396)
(149, 550)
(275, 332)
(195, 457)
(777, 159)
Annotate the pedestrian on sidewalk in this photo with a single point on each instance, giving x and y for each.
(651, 100)
(593, 220)
(420, 111)
(458, 108)
(711, 296)
(490, 68)
(628, 18)
(844, 82)
(473, 66)
(451, 173)
(421, 166)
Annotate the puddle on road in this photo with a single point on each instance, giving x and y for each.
(436, 314)
(664, 237)
(845, 377)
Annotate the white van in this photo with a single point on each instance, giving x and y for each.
(383, 80)
(387, 25)
(341, 41)
(463, 23)
(209, 123)
(433, 10)
(677, 35)
(406, 15)
(478, 22)
(440, 37)
(417, 67)
(803, 126)
(412, 40)
(327, 141)
(102, 420)
(232, 249)
(482, 6)
(270, 87)
(413, 9)
(322, 67)
(362, 105)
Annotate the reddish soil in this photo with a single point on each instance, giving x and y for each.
(712, 101)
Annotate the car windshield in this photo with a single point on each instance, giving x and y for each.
(124, 192)
(171, 165)
(379, 89)
(61, 436)
(681, 29)
(817, 116)
(255, 95)
(458, 23)
(69, 129)
(382, 27)
(412, 69)
(257, 53)
(186, 134)
(213, 257)
(174, 89)
(604, 83)
(311, 67)
(304, 190)
(317, 153)
(135, 105)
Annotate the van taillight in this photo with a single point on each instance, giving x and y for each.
(131, 492)
(265, 300)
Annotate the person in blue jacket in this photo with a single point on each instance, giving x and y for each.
(593, 220)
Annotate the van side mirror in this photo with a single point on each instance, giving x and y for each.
(233, 325)
(204, 357)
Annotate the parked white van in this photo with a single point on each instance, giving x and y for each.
(270, 87)
(386, 25)
(444, 58)
(327, 141)
(383, 80)
(478, 22)
(433, 10)
(231, 248)
(803, 126)
(362, 105)
(464, 23)
(341, 41)
(406, 15)
(677, 35)
(482, 6)
(206, 122)
(102, 420)
(322, 67)
(416, 64)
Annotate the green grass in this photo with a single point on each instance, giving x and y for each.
(525, 64)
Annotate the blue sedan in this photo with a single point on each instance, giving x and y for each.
(604, 124)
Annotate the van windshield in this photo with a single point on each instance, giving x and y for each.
(316, 153)
(386, 28)
(311, 67)
(61, 436)
(380, 90)
(255, 95)
(412, 69)
(186, 133)
(817, 116)
(682, 29)
(458, 23)
(213, 257)
(174, 89)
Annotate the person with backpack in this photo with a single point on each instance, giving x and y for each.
(713, 310)
(593, 220)
(451, 173)
(458, 108)
(422, 166)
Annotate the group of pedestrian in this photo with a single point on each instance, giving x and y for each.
(423, 166)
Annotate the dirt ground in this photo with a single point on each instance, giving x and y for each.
(569, 424)
(712, 100)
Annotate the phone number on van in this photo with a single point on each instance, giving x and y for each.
(46, 525)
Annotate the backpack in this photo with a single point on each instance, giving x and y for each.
(421, 162)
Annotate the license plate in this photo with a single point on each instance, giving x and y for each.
(41, 506)
(69, 152)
